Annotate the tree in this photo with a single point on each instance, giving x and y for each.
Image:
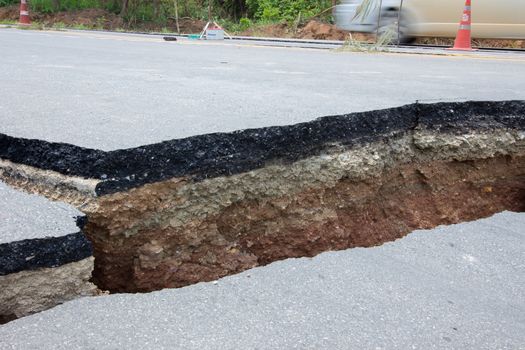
(56, 5)
(124, 8)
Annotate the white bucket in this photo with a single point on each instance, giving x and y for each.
(215, 34)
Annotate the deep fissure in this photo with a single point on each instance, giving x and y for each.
(197, 209)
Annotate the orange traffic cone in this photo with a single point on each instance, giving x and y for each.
(463, 39)
(24, 13)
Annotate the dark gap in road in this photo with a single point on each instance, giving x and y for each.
(197, 209)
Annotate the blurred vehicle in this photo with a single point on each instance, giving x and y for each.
(492, 19)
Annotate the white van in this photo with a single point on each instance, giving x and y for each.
(495, 19)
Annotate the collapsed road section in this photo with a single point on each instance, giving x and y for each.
(42, 263)
(196, 209)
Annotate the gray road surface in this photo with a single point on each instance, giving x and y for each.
(25, 216)
(455, 287)
(112, 91)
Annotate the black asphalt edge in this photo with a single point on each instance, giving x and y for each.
(31, 254)
(224, 154)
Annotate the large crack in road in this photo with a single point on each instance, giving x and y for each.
(197, 209)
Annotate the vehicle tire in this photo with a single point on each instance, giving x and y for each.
(388, 27)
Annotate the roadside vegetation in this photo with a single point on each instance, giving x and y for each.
(304, 19)
(234, 15)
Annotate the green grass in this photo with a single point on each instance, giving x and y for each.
(32, 26)
(79, 26)
(46, 6)
(8, 2)
(59, 26)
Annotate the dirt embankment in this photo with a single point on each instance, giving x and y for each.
(313, 29)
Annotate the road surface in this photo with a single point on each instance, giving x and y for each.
(452, 287)
(25, 216)
(455, 287)
(111, 91)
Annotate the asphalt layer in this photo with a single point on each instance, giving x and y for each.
(31, 254)
(25, 216)
(118, 91)
(36, 233)
(455, 287)
(223, 154)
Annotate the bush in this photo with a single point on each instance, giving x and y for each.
(8, 2)
(244, 24)
(47, 6)
(285, 10)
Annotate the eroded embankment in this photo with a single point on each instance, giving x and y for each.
(196, 209)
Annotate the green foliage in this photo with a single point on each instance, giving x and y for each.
(139, 12)
(80, 26)
(59, 25)
(237, 15)
(245, 23)
(285, 10)
(99, 24)
(48, 6)
(235, 27)
(193, 9)
(44, 6)
(8, 2)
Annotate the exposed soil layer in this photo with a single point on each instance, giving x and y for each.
(248, 233)
(196, 209)
(311, 30)
(37, 274)
(28, 292)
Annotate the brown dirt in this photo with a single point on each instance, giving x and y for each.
(187, 25)
(312, 30)
(321, 31)
(89, 18)
(350, 214)
(9, 13)
(277, 30)
(512, 44)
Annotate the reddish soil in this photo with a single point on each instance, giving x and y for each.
(9, 13)
(252, 233)
(278, 30)
(90, 18)
(323, 31)
(312, 30)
